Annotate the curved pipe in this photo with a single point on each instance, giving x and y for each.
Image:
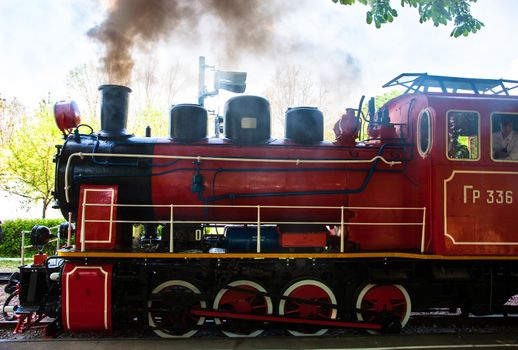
(359, 189)
(204, 158)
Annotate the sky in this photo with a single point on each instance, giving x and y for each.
(42, 40)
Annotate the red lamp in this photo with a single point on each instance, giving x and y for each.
(67, 116)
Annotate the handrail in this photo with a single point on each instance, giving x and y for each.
(221, 159)
(342, 223)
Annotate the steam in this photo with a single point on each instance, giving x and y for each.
(243, 27)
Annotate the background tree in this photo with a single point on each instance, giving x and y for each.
(438, 11)
(11, 111)
(153, 91)
(27, 158)
(83, 86)
(291, 87)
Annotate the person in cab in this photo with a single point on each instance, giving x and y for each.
(505, 141)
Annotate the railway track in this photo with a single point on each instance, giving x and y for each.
(417, 342)
(12, 324)
(418, 325)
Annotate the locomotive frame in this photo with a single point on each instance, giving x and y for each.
(344, 234)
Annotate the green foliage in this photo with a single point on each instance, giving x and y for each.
(12, 238)
(437, 11)
(26, 159)
(149, 117)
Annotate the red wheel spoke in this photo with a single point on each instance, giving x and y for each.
(292, 312)
(242, 297)
(259, 307)
(311, 293)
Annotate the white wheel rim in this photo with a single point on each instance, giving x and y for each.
(257, 287)
(330, 294)
(168, 284)
(403, 291)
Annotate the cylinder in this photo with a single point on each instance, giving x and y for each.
(188, 123)
(243, 239)
(304, 125)
(114, 111)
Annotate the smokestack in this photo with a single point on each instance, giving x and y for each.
(114, 111)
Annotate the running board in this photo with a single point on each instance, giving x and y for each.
(388, 326)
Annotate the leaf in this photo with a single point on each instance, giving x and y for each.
(440, 12)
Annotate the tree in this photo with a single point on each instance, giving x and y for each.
(290, 87)
(152, 89)
(83, 84)
(11, 111)
(27, 158)
(148, 117)
(438, 11)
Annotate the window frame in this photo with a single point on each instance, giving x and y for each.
(491, 137)
(447, 141)
(426, 152)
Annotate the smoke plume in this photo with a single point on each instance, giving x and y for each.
(243, 26)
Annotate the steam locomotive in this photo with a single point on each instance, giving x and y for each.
(248, 232)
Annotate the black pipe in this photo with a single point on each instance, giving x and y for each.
(114, 111)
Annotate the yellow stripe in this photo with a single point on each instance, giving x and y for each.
(130, 255)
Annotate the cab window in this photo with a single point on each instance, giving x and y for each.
(504, 137)
(463, 135)
(424, 133)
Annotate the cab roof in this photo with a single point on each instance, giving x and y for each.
(422, 82)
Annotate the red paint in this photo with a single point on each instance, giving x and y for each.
(489, 227)
(242, 301)
(86, 297)
(303, 239)
(39, 259)
(100, 234)
(383, 298)
(310, 293)
(418, 183)
(346, 129)
(67, 116)
(285, 179)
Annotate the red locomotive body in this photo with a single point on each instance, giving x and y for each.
(297, 231)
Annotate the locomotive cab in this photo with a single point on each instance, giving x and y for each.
(463, 131)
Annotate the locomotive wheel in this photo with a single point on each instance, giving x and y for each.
(241, 301)
(313, 291)
(10, 303)
(175, 297)
(379, 300)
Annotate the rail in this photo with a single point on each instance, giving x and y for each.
(221, 159)
(258, 221)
